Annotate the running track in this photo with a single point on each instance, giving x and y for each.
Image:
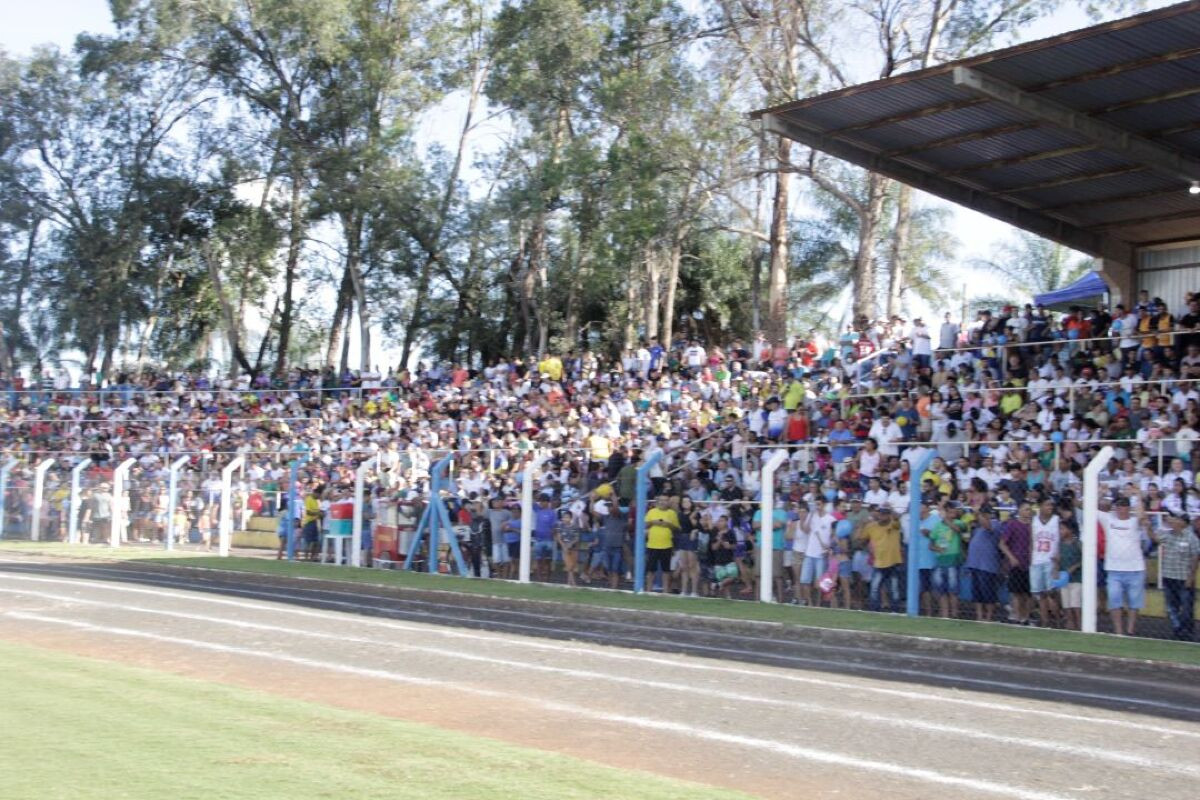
(758, 711)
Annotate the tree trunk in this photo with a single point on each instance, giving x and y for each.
(295, 241)
(26, 278)
(111, 333)
(6, 359)
(583, 266)
(531, 307)
(265, 344)
(417, 319)
(758, 256)
(899, 254)
(571, 316)
(228, 315)
(89, 362)
(353, 227)
(777, 274)
(334, 343)
(574, 288)
(152, 323)
(667, 320)
(519, 272)
(653, 261)
(864, 259)
(344, 361)
(631, 293)
(756, 259)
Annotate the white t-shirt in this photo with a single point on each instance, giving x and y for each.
(875, 497)
(1122, 544)
(921, 344)
(1045, 540)
(886, 436)
(820, 532)
(799, 537)
(868, 463)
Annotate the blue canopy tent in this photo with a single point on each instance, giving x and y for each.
(1087, 291)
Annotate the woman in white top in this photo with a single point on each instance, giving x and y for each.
(798, 536)
(869, 459)
(819, 527)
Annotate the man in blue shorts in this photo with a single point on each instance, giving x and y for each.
(545, 519)
(1125, 562)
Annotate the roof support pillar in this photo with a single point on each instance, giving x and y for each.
(1121, 279)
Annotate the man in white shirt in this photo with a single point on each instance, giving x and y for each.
(1125, 563)
(1129, 341)
(989, 474)
(643, 361)
(695, 356)
(887, 435)
(1043, 559)
(922, 346)
(818, 527)
(875, 495)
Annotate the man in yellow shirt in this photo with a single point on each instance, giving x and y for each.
(601, 450)
(662, 523)
(310, 524)
(882, 536)
(552, 367)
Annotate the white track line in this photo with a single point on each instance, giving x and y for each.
(609, 652)
(801, 753)
(1084, 751)
(538, 630)
(725, 652)
(164, 580)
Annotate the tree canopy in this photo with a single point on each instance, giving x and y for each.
(471, 178)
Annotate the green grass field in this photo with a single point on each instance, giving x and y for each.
(78, 728)
(1036, 638)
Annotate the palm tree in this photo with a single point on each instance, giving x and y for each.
(1032, 265)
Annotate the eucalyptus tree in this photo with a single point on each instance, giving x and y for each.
(544, 64)
(91, 136)
(266, 56)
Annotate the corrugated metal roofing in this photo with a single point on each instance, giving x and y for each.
(1141, 74)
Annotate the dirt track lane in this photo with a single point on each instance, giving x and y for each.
(776, 732)
(1131, 687)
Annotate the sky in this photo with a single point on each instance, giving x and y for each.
(29, 24)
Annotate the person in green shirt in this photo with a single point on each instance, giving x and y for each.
(1070, 560)
(1010, 403)
(945, 539)
(627, 479)
(794, 395)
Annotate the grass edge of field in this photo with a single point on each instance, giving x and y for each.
(1099, 644)
(29, 665)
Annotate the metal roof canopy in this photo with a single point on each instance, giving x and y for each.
(1091, 138)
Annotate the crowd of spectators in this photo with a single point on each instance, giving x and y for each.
(1012, 405)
